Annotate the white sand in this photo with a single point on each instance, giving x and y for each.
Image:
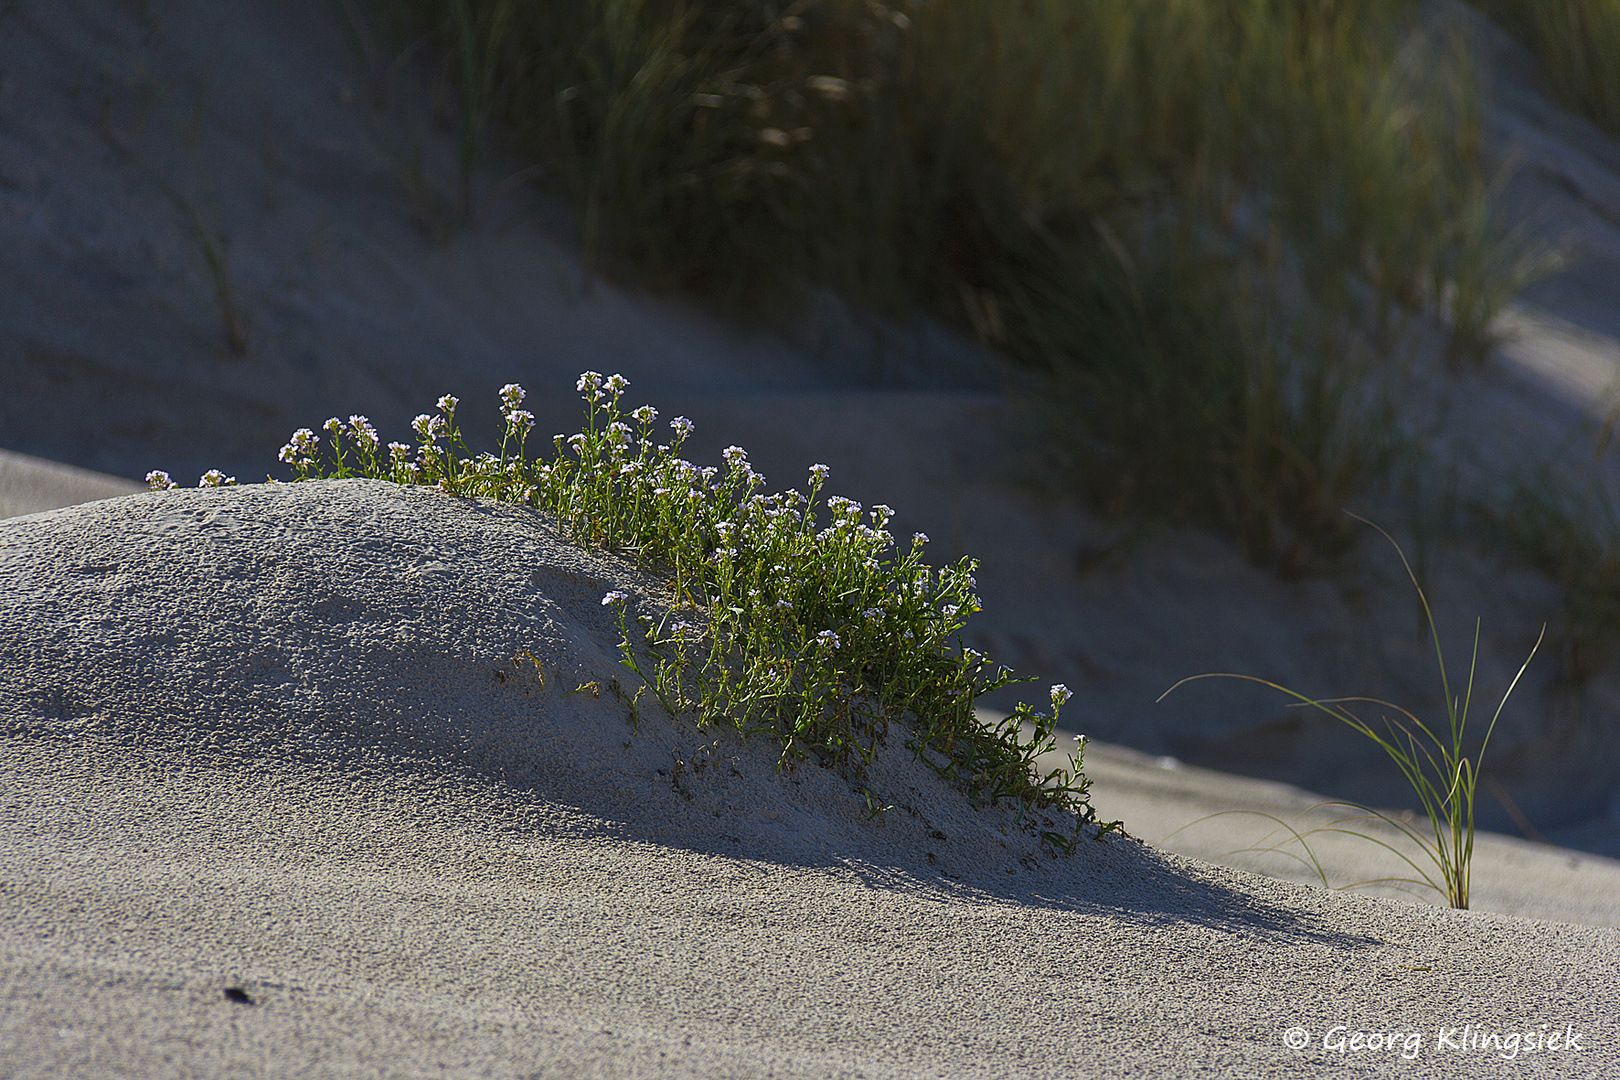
(30, 484)
(259, 116)
(270, 741)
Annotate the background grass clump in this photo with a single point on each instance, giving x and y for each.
(818, 631)
(1200, 227)
(1578, 44)
(1570, 532)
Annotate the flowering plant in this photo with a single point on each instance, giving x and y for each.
(813, 628)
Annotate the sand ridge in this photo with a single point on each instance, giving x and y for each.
(263, 792)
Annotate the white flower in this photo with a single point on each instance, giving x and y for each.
(617, 383)
(735, 456)
(646, 414)
(614, 597)
(333, 424)
(819, 473)
(301, 450)
(828, 638)
(364, 433)
(682, 427)
(448, 403)
(512, 395)
(1060, 694)
(919, 538)
(784, 605)
(215, 478)
(158, 480)
(304, 441)
(520, 420)
(590, 384)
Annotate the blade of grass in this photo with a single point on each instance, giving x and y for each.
(1445, 788)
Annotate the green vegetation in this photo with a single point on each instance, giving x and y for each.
(1437, 765)
(1309, 861)
(1437, 855)
(1201, 234)
(1202, 226)
(1578, 44)
(822, 636)
(1572, 534)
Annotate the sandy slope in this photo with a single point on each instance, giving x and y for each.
(274, 801)
(1221, 818)
(135, 138)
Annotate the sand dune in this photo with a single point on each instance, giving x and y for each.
(274, 800)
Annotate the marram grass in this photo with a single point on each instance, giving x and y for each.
(1578, 44)
(1206, 223)
(796, 617)
(1436, 764)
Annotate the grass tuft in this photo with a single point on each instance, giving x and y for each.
(1214, 219)
(1571, 534)
(1578, 43)
(1437, 765)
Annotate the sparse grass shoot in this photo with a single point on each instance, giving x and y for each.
(1425, 879)
(213, 245)
(1437, 765)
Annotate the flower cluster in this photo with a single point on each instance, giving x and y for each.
(808, 623)
(158, 480)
